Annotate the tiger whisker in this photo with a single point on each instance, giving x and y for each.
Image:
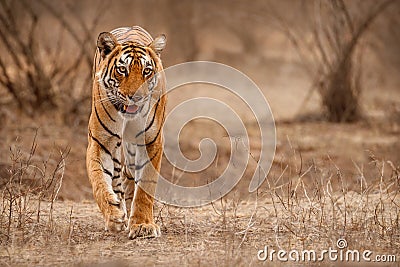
(113, 101)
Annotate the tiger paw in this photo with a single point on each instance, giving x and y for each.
(144, 230)
(116, 221)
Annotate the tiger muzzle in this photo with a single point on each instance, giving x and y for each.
(130, 109)
(135, 104)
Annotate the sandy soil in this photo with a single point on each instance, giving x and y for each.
(225, 234)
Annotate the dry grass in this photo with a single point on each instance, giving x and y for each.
(304, 207)
(315, 214)
(29, 189)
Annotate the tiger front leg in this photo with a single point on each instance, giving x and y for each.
(141, 222)
(128, 174)
(100, 167)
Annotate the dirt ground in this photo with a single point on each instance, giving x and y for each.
(225, 234)
(232, 231)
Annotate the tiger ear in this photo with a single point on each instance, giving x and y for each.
(159, 43)
(106, 42)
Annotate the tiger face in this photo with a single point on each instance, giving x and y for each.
(129, 72)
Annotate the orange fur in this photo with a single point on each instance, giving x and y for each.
(128, 105)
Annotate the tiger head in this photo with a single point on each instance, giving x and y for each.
(129, 71)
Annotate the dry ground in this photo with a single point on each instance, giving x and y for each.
(324, 185)
(227, 234)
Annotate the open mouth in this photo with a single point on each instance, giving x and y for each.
(129, 109)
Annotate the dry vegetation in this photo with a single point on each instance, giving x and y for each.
(328, 180)
(335, 68)
(305, 207)
(46, 70)
(30, 182)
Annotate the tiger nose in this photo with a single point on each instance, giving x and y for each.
(135, 98)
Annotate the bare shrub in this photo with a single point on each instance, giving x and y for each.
(29, 185)
(328, 48)
(45, 67)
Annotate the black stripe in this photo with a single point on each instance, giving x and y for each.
(116, 105)
(102, 104)
(103, 125)
(151, 122)
(152, 141)
(117, 169)
(118, 192)
(139, 62)
(138, 167)
(105, 75)
(126, 48)
(141, 108)
(158, 133)
(100, 144)
(155, 154)
(132, 154)
(119, 144)
(106, 171)
(139, 48)
(139, 53)
(116, 177)
(110, 68)
(127, 176)
(134, 49)
(108, 114)
(104, 148)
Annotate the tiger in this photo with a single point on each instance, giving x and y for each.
(125, 138)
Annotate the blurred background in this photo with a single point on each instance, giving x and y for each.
(329, 70)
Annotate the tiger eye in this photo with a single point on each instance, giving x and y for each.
(147, 71)
(122, 69)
